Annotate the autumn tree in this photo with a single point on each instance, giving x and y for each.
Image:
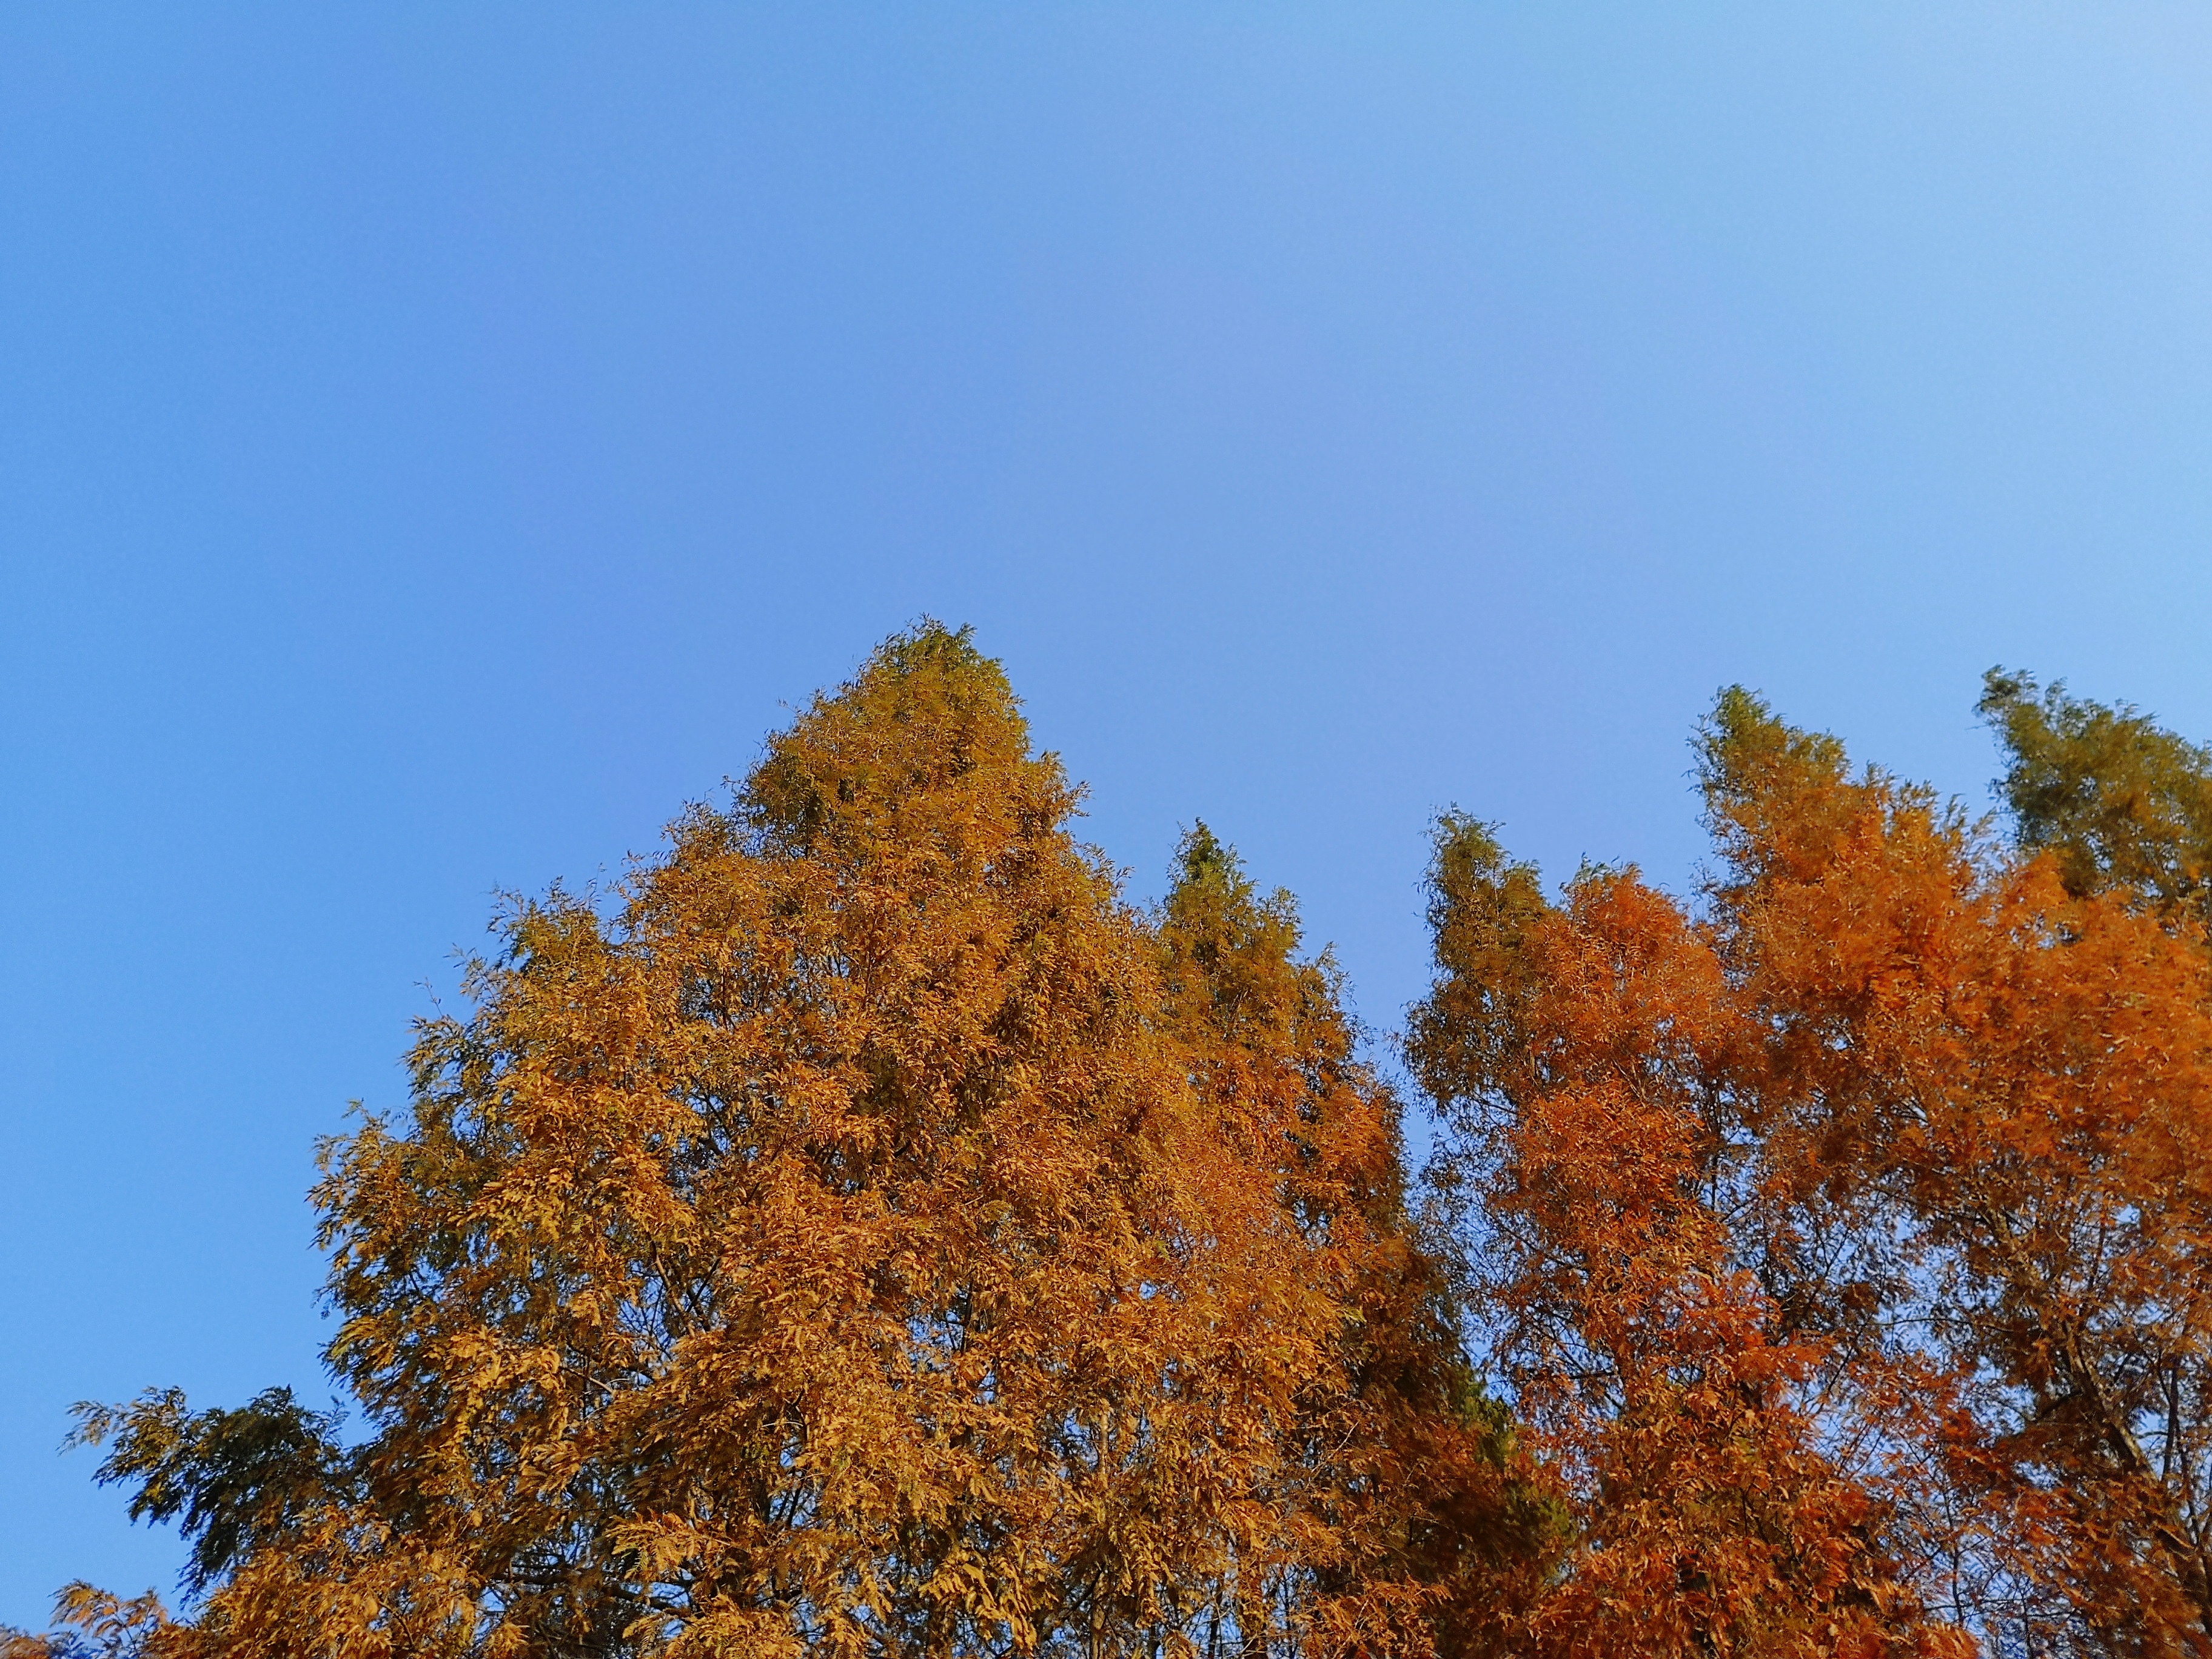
(1420, 1522)
(2014, 1085)
(1585, 1053)
(861, 1233)
(1906, 1122)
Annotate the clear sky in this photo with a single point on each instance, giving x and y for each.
(438, 441)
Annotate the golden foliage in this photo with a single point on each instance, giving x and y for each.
(863, 1235)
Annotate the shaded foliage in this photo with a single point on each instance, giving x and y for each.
(233, 1481)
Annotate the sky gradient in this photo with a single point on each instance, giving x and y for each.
(438, 441)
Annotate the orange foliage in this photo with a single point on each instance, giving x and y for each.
(2011, 1089)
(1419, 1525)
(1849, 1244)
(1675, 1398)
(862, 1234)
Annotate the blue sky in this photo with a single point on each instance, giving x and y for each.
(437, 441)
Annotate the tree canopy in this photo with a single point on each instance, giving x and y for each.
(863, 1232)
(1843, 1234)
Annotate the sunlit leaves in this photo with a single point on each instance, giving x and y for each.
(1846, 1238)
(861, 1233)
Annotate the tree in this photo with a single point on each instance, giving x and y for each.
(1913, 1128)
(2003, 1093)
(862, 1235)
(1584, 1055)
(1422, 1519)
(2120, 804)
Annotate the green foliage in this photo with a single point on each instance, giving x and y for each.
(1482, 906)
(2120, 802)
